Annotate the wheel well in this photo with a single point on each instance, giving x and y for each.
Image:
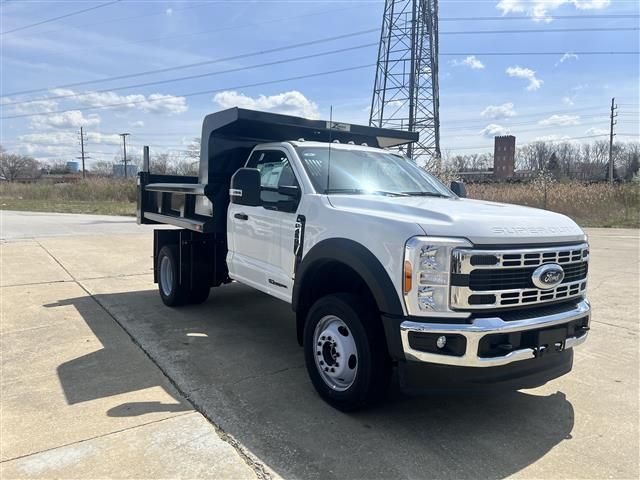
(323, 279)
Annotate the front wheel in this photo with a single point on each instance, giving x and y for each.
(345, 352)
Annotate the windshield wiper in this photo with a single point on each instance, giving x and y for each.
(426, 194)
(361, 191)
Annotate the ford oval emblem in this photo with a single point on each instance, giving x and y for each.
(547, 276)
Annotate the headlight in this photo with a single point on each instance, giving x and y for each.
(427, 266)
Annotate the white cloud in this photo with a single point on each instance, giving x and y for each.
(137, 123)
(36, 106)
(69, 119)
(498, 112)
(169, 11)
(290, 103)
(562, 120)
(155, 103)
(596, 131)
(566, 57)
(542, 9)
(526, 73)
(493, 130)
(471, 61)
(69, 138)
(568, 100)
(552, 138)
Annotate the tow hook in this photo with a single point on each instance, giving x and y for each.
(544, 349)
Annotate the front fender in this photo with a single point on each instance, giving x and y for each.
(357, 257)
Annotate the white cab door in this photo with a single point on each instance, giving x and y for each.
(261, 237)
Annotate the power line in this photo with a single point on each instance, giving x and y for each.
(517, 130)
(484, 123)
(192, 77)
(257, 66)
(193, 94)
(245, 25)
(70, 14)
(232, 27)
(540, 30)
(550, 17)
(491, 54)
(566, 139)
(548, 112)
(200, 64)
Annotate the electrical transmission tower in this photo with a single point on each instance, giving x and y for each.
(405, 93)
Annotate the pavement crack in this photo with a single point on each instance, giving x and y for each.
(263, 375)
(114, 432)
(36, 283)
(616, 326)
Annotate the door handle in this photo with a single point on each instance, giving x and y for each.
(241, 216)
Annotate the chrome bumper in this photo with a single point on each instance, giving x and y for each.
(480, 327)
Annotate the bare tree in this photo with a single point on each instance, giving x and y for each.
(193, 149)
(14, 166)
(160, 164)
(187, 166)
(104, 168)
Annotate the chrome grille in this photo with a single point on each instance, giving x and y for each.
(482, 279)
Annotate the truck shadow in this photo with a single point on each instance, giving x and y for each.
(237, 359)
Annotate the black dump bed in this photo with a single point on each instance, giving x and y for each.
(200, 203)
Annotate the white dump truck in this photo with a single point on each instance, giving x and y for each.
(384, 266)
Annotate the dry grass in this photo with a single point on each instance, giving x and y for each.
(103, 196)
(590, 205)
(69, 206)
(89, 190)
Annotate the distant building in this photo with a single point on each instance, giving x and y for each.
(118, 170)
(504, 156)
(73, 167)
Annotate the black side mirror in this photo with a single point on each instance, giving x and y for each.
(289, 190)
(245, 187)
(459, 189)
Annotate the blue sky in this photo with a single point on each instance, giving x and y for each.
(532, 96)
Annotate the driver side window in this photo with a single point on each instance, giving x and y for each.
(275, 171)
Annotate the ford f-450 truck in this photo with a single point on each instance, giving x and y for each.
(384, 266)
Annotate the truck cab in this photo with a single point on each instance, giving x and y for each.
(384, 266)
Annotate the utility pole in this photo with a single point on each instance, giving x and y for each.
(124, 146)
(82, 151)
(614, 107)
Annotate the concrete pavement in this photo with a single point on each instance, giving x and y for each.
(79, 398)
(236, 359)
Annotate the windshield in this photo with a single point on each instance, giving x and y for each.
(361, 171)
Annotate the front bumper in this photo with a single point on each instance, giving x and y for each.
(481, 327)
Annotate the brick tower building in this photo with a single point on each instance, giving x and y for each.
(504, 156)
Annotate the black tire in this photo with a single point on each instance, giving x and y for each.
(199, 295)
(373, 366)
(173, 293)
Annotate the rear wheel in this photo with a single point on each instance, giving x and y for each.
(172, 292)
(345, 352)
(199, 295)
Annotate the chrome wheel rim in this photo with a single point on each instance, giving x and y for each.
(335, 353)
(166, 276)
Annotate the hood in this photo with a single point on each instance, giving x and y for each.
(481, 222)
